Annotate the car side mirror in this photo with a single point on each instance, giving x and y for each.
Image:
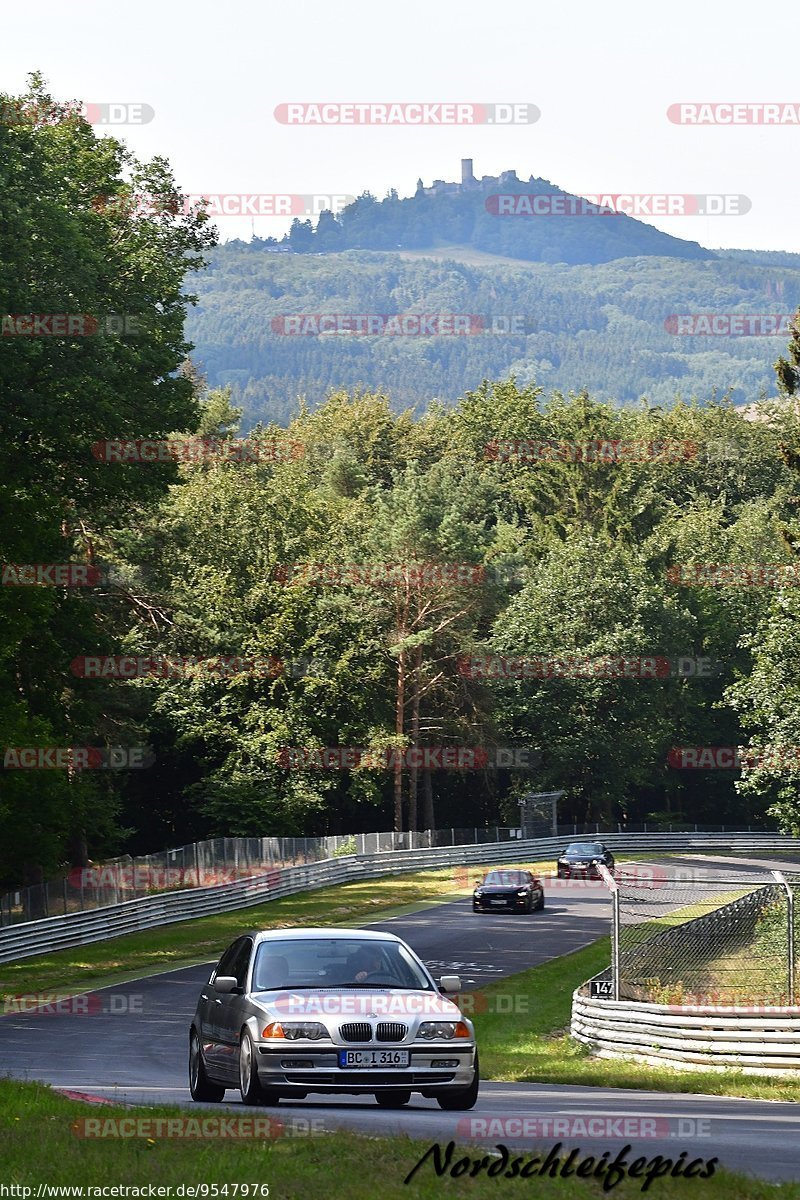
(450, 983)
(226, 984)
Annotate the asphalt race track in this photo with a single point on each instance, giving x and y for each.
(131, 1046)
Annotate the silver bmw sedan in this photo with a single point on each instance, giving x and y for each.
(292, 1011)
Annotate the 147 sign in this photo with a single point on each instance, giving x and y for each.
(601, 989)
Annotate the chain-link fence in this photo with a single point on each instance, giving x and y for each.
(697, 937)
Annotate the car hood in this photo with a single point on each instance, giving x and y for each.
(500, 887)
(354, 1004)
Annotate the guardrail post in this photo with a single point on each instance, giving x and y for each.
(613, 887)
(789, 930)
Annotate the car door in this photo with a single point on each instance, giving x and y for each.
(232, 1012)
(212, 1004)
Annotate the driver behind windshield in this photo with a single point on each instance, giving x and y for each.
(367, 961)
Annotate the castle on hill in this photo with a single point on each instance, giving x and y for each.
(441, 187)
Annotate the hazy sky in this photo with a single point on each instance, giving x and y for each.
(602, 75)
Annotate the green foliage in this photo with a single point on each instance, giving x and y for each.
(599, 326)
(64, 249)
(576, 555)
(348, 846)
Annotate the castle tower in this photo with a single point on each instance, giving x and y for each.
(466, 171)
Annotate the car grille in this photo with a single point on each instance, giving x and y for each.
(357, 1031)
(391, 1031)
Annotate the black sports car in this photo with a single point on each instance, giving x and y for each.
(583, 859)
(514, 891)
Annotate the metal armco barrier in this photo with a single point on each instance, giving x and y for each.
(80, 928)
(753, 1040)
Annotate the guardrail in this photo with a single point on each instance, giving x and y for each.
(754, 1040)
(131, 916)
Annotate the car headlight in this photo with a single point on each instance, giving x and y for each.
(563, 859)
(477, 893)
(442, 1029)
(522, 892)
(293, 1031)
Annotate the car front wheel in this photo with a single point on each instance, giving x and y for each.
(200, 1085)
(249, 1083)
(459, 1099)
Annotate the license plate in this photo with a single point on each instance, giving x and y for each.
(498, 902)
(374, 1058)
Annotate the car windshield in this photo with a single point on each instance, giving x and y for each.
(504, 879)
(335, 963)
(585, 848)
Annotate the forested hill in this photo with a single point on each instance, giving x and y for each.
(604, 327)
(478, 216)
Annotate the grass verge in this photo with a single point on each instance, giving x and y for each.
(40, 1146)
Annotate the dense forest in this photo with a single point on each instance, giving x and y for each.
(604, 327)
(327, 583)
